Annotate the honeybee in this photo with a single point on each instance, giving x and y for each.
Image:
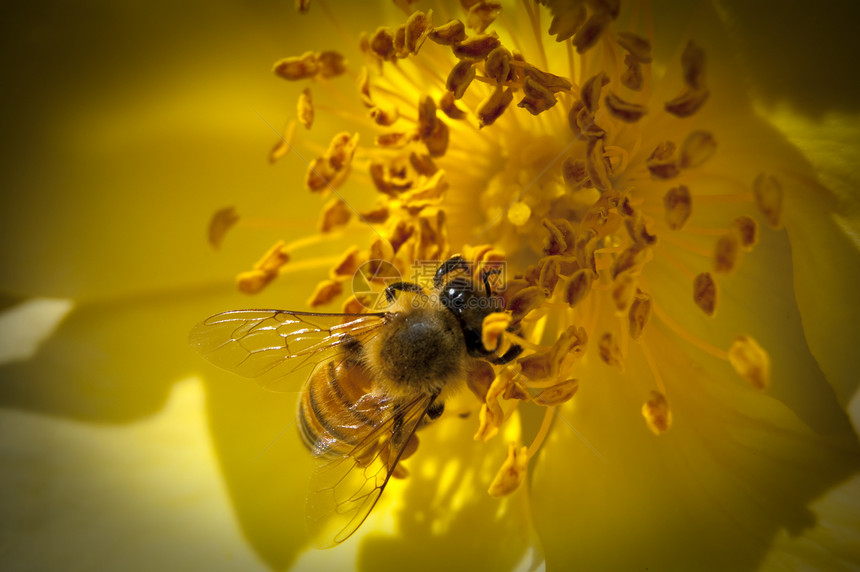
(377, 378)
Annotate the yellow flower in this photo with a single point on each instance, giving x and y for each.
(708, 426)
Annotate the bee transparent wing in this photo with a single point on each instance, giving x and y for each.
(346, 486)
(268, 345)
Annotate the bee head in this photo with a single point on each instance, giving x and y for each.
(470, 303)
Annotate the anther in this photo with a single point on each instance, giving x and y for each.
(705, 293)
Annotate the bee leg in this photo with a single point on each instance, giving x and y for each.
(402, 286)
(485, 276)
(435, 410)
(509, 355)
(456, 262)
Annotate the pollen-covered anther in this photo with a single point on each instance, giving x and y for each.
(493, 330)
(348, 265)
(449, 107)
(222, 221)
(584, 247)
(482, 14)
(609, 351)
(661, 163)
(380, 250)
(586, 37)
(512, 473)
(568, 21)
(459, 78)
(569, 346)
(331, 170)
(561, 236)
(552, 82)
(305, 108)
(768, 197)
(632, 78)
(639, 314)
(298, 67)
(448, 33)
(476, 47)
(750, 361)
(657, 414)
(595, 165)
(746, 231)
(384, 117)
(498, 65)
(693, 66)
(629, 259)
(557, 394)
(417, 29)
(678, 204)
(574, 173)
(491, 415)
(578, 286)
(727, 253)
(623, 289)
(494, 105)
(638, 48)
(525, 301)
(624, 110)
(479, 379)
(437, 141)
(590, 92)
(637, 228)
(519, 213)
(537, 98)
(325, 292)
(382, 44)
(395, 140)
(284, 144)
(265, 270)
(698, 147)
(331, 64)
(687, 103)
(335, 214)
(705, 293)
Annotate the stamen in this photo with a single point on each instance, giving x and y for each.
(639, 314)
(265, 270)
(511, 474)
(305, 108)
(746, 231)
(678, 204)
(657, 414)
(460, 77)
(557, 394)
(222, 221)
(577, 287)
(482, 14)
(624, 110)
(768, 197)
(726, 253)
(609, 351)
(750, 361)
(698, 147)
(325, 292)
(335, 214)
(705, 293)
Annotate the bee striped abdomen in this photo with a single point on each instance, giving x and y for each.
(335, 410)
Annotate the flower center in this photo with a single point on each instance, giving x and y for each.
(553, 156)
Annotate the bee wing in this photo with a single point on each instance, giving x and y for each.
(346, 486)
(268, 345)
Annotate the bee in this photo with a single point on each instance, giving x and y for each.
(377, 378)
